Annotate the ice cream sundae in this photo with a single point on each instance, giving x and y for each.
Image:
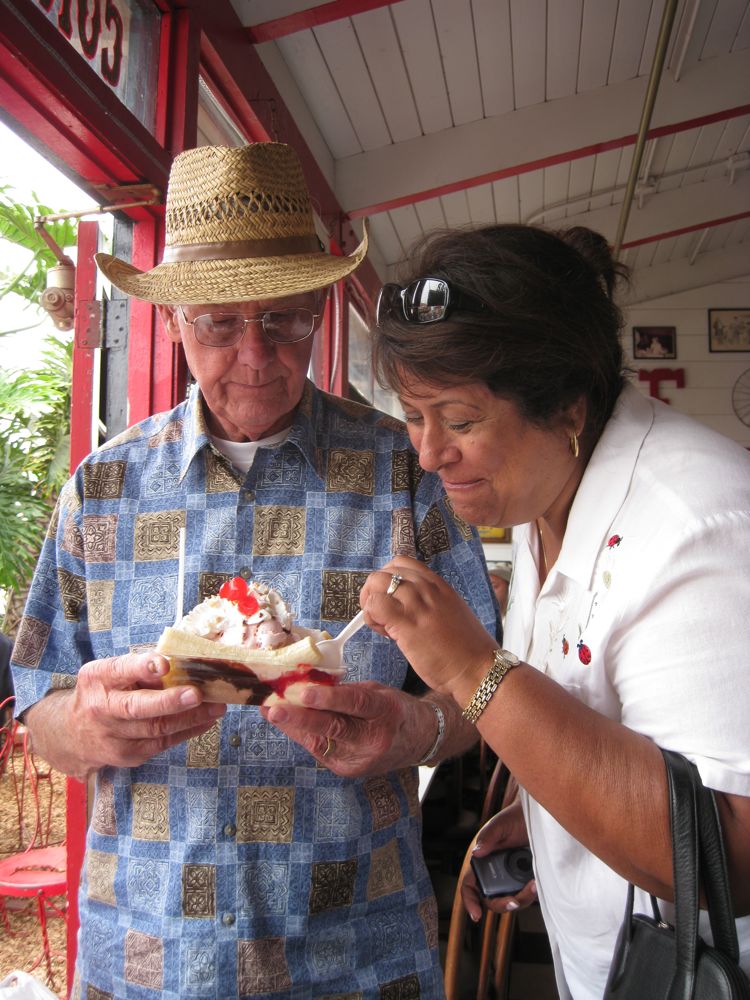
(242, 647)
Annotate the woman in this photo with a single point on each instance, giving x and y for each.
(631, 586)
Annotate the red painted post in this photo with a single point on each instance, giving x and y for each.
(85, 330)
(86, 340)
(339, 376)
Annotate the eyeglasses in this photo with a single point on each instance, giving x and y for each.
(426, 300)
(282, 326)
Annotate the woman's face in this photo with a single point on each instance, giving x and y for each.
(496, 467)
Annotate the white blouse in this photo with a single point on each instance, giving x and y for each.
(645, 617)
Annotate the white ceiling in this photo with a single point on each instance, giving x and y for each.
(427, 113)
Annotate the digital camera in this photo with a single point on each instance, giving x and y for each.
(503, 873)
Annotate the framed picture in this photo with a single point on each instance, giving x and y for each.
(488, 534)
(654, 342)
(728, 330)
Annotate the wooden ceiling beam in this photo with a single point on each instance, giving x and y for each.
(674, 276)
(530, 139)
(696, 206)
(313, 17)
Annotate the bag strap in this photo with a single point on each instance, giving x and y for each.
(714, 874)
(696, 825)
(684, 822)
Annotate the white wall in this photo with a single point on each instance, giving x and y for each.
(709, 378)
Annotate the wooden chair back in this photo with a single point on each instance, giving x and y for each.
(496, 931)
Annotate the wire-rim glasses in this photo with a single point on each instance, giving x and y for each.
(426, 300)
(281, 326)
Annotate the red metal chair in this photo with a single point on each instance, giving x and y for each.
(37, 871)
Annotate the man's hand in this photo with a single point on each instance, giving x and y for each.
(117, 715)
(506, 829)
(367, 728)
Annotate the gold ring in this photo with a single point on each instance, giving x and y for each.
(330, 746)
(395, 583)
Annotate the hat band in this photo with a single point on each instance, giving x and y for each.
(236, 249)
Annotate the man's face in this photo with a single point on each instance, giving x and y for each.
(252, 387)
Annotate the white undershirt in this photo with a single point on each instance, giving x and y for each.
(242, 453)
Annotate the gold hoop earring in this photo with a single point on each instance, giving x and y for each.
(574, 449)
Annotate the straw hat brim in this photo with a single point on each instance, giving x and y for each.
(236, 280)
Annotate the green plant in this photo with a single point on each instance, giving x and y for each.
(34, 409)
(34, 449)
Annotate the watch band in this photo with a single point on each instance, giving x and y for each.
(502, 662)
(440, 734)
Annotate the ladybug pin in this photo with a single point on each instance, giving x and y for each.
(614, 540)
(565, 646)
(584, 653)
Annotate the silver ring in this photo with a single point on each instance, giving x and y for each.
(330, 746)
(395, 583)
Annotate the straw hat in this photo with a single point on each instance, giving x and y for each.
(239, 226)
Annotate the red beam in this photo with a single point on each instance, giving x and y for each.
(75, 845)
(234, 103)
(686, 229)
(547, 161)
(313, 17)
(177, 87)
(81, 411)
(81, 419)
(249, 93)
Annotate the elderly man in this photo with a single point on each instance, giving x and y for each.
(243, 851)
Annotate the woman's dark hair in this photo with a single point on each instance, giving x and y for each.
(551, 333)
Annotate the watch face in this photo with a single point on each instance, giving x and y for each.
(510, 657)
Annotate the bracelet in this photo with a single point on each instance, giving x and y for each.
(502, 662)
(440, 733)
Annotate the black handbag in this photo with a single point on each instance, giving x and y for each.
(654, 960)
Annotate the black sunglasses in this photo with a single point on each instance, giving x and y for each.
(426, 300)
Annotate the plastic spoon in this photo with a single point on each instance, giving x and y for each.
(332, 650)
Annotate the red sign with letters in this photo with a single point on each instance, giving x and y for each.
(120, 41)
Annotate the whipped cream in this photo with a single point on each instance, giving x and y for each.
(235, 622)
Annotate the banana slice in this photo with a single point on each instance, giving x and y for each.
(266, 664)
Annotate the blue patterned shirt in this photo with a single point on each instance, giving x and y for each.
(233, 864)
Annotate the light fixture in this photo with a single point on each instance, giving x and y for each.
(58, 298)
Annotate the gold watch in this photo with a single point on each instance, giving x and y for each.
(502, 662)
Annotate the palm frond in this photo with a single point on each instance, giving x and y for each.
(23, 518)
(34, 405)
(17, 226)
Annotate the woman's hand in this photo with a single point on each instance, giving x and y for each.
(506, 829)
(433, 626)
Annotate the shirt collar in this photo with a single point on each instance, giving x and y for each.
(302, 433)
(306, 429)
(605, 484)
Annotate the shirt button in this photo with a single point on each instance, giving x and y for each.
(246, 572)
(250, 495)
(228, 919)
(235, 740)
(230, 829)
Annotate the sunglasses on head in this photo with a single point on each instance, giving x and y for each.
(426, 300)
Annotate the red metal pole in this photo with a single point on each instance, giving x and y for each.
(339, 379)
(86, 340)
(81, 422)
